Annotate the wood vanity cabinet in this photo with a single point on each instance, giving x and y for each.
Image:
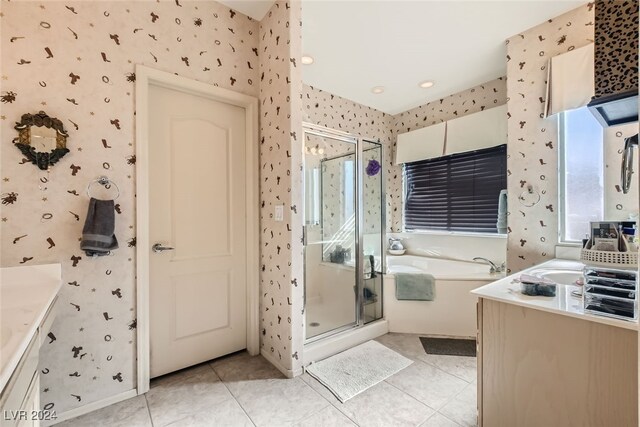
(21, 395)
(537, 368)
(20, 400)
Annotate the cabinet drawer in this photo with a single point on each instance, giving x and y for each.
(18, 385)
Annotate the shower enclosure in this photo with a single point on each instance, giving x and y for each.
(344, 231)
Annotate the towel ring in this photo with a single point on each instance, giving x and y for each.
(529, 197)
(105, 182)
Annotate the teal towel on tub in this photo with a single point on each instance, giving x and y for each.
(415, 287)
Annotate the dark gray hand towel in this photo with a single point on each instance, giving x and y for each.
(98, 236)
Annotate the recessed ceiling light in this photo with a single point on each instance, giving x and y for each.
(377, 89)
(307, 60)
(426, 84)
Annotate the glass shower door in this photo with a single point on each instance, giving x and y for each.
(331, 241)
(373, 230)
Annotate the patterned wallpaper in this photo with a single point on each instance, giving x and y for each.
(75, 61)
(326, 109)
(338, 200)
(486, 95)
(533, 142)
(478, 98)
(616, 53)
(281, 178)
(617, 205)
(329, 110)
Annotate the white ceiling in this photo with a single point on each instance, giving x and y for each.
(397, 44)
(253, 8)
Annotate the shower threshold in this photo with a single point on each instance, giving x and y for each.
(342, 340)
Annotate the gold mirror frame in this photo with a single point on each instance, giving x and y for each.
(41, 159)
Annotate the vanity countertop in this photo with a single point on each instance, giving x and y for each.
(507, 291)
(26, 293)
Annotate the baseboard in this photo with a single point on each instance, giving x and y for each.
(93, 406)
(289, 373)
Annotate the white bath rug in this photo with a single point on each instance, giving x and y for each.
(351, 372)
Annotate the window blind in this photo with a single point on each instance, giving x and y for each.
(458, 192)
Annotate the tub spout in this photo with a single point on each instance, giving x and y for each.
(494, 268)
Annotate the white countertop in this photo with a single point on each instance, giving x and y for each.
(508, 291)
(26, 293)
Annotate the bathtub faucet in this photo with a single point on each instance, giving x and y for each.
(494, 268)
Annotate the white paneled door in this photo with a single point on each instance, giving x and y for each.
(197, 229)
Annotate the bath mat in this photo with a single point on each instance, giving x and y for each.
(449, 346)
(351, 372)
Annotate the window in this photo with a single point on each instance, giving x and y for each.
(348, 189)
(581, 174)
(458, 192)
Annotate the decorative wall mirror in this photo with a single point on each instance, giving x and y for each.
(42, 139)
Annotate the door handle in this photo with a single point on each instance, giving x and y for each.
(159, 248)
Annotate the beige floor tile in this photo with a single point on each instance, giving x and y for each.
(227, 414)
(439, 420)
(181, 375)
(319, 388)
(277, 402)
(243, 367)
(241, 390)
(327, 417)
(406, 344)
(428, 384)
(185, 393)
(460, 366)
(384, 405)
(463, 408)
(129, 413)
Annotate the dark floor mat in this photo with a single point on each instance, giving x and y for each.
(449, 346)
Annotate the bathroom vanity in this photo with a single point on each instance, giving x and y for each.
(543, 362)
(28, 298)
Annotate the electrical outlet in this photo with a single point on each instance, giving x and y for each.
(279, 213)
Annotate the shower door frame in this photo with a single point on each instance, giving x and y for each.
(322, 131)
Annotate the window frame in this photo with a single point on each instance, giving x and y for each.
(562, 181)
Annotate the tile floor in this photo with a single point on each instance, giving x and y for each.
(240, 390)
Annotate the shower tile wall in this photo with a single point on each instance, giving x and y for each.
(75, 61)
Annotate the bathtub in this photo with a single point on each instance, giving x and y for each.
(453, 311)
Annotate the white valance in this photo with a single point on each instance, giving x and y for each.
(421, 144)
(476, 131)
(570, 81)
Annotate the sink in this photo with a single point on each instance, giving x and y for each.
(562, 277)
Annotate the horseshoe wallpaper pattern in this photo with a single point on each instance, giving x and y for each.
(532, 157)
(281, 179)
(533, 140)
(75, 61)
(326, 109)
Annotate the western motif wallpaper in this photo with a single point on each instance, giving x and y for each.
(532, 157)
(76, 62)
